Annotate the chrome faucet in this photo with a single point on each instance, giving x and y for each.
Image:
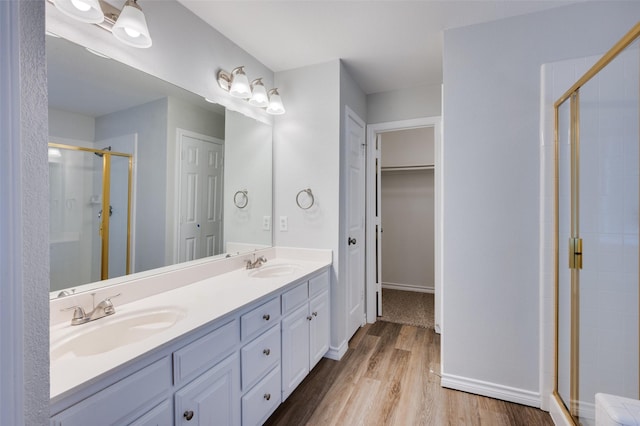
(256, 262)
(100, 310)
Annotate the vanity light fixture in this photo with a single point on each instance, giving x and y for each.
(237, 84)
(131, 26)
(275, 103)
(259, 95)
(240, 87)
(128, 25)
(88, 11)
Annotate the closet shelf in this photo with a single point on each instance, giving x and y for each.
(407, 168)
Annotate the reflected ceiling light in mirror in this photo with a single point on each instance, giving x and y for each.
(88, 11)
(236, 81)
(131, 26)
(259, 96)
(54, 153)
(275, 103)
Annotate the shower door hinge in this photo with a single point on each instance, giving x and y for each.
(575, 253)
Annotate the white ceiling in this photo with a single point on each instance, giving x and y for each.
(386, 45)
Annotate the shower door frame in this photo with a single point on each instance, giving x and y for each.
(106, 199)
(573, 96)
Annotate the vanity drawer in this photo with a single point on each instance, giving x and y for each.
(294, 297)
(122, 402)
(205, 352)
(260, 356)
(261, 401)
(260, 318)
(319, 284)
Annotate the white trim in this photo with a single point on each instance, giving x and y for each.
(493, 390)
(372, 131)
(336, 353)
(12, 390)
(408, 287)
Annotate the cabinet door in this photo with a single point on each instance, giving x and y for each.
(319, 328)
(295, 349)
(213, 398)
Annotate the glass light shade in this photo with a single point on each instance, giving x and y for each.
(88, 11)
(131, 26)
(240, 84)
(275, 103)
(259, 97)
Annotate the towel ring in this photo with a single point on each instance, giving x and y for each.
(309, 194)
(241, 198)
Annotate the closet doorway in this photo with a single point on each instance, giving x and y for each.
(403, 221)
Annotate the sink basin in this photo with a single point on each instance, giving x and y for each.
(118, 330)
(272, 271)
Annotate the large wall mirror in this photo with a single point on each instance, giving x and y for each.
(144, 174)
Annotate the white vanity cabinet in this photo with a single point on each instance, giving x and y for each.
(305, 330)
(230, 371)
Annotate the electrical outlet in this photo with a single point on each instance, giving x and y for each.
(266, 223)
(284, 224)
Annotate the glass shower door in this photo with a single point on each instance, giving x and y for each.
(90, 215)
(598, 219)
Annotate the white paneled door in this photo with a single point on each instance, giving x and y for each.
(201, 171)
(355, 214)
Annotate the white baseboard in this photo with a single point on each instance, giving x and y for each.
(493, 390)
(336, 354)
(408, 287)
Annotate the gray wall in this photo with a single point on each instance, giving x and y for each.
(64, 124)
(491, 188)
(306, 154)
(404, 104)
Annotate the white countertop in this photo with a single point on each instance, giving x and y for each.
(203, 302)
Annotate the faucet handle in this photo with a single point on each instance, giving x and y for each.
(79, 316)
(108, 304)
(112, 297)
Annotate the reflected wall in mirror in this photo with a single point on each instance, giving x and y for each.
(189, 159)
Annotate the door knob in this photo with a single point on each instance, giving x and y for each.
(352, 241)
(188, 415)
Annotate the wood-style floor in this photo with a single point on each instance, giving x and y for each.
(389, 377)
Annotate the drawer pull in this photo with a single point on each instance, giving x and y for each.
(267, 352)
(188, 415)
(315, 314)
(309, 317)
(267, 396)
(266, 317)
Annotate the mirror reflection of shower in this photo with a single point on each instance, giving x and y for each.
(86, 245)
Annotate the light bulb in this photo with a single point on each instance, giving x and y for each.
(240, 87)
(80, 5)
(132, 33)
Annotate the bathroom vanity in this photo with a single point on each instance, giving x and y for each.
(225, 350)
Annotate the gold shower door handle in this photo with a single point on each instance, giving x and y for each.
(575, 253)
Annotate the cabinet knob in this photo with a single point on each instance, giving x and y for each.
(267, 396)
(188, 415)
(309, 317)
(267, 351)
(266, 317)
(315, 314)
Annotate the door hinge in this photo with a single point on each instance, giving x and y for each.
(575, 253)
